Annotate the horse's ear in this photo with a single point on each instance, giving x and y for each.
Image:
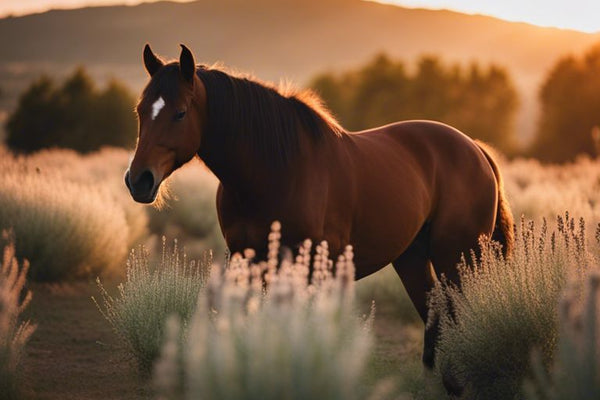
(151, 61)
(187, 64)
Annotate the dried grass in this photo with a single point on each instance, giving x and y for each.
(14, 333)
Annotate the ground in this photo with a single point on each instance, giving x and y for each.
(74, 354)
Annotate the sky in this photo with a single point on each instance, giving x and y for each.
(20, 7)
(582, 15)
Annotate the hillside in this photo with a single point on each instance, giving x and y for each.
(273, 38)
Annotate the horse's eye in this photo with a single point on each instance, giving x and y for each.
(179, 116)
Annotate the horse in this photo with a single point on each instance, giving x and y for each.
(416, 194)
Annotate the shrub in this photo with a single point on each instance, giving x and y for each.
(506, 308)
(149, 295)
(67, 215)
(544, 191)
(576, 371)
(13, 334)
(292, 341)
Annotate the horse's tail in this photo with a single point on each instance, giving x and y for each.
(503, 230)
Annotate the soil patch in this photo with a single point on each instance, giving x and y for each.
(74, 354)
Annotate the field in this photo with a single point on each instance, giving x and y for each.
(74, 353)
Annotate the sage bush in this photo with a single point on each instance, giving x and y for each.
(150, 294)
(263, 331)
(505, 308)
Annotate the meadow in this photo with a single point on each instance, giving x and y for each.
(169, 321)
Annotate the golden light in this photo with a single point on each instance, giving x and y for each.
(581, 15)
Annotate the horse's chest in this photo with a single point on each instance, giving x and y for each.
(243, 235)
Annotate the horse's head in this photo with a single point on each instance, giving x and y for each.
(171, 114)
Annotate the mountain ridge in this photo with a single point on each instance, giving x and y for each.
(273, 39)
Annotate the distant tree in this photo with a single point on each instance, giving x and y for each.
(480, 102)
(34, 125)
(113, 120)
(75, 115)
(377, 92)
(484, 106)
(570, 100)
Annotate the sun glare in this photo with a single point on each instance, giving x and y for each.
(581, 15)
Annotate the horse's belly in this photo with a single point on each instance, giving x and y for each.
(385, 227)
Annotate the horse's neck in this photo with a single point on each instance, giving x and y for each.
(245, 175)
(254, 180)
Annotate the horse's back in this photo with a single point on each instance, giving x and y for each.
(417, 172)
(421, 140)
(430, 154)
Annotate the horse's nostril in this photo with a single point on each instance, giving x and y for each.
(142, 189)
(127, 183)
(145, 183)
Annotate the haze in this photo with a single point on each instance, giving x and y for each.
(579, 15)
(22, 7)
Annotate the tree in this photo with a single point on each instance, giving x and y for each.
(480, 102)
(34, 124)
(114, 108)
(75, 115)
(379, 93)
(570, 101)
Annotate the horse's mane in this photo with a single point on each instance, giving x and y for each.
(261, 117)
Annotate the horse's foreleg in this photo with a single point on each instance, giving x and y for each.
(417, 275)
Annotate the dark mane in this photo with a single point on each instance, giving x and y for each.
(262, 118)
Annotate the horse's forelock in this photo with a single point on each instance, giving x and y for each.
(165, 84)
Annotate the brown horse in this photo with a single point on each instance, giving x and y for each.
(416, 194)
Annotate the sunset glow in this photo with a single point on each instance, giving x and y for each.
(581, 15)
(22, 7)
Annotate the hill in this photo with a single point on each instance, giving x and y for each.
(272, 38)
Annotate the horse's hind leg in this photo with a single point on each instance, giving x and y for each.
(418, 278)
(449, 241)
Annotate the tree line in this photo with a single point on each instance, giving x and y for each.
(570, 105)
(479, 100)
(75, 115)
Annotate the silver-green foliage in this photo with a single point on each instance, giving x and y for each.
(149, 295)
(66, 210)
(575, 374)
(294, 340)
(505, 308)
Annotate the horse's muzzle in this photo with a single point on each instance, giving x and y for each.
(143, 189)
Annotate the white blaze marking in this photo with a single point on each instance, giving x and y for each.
(157, 106)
